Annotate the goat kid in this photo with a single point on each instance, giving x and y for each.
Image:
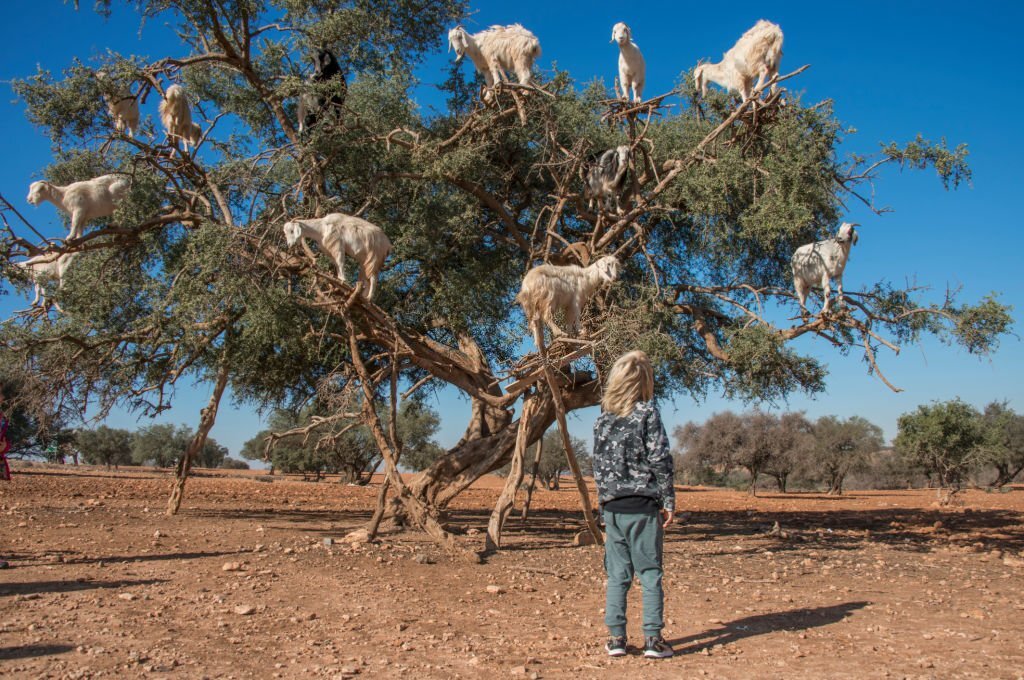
(548, 289)
(338, 235)
(756, 55)
(606, 179)
(82, 201)
(632, 68)
(815, 263)
(176, 115)
(43, 268)
(497, 50)
(325, 69)
(123, 107)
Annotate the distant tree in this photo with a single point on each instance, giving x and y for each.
(946, 439)
(792, 443)
(1004, 442)
(160, 444)
(234, 464)
(212, 454)
(417, 426)
(553, 462)
(842, 447)
(727, 440)
(105, 446)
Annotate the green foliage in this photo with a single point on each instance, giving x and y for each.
(945, 438)
(105, 445)
(1003, 446)
(234, 464)
(950, 164)
(840, 448)
(186, 276)
(160, 444)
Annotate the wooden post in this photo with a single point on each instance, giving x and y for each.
(515, 477)
(206, 420)
(563, 428)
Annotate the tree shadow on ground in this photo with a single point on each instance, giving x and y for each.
(763, 624)
(39, 587)
(32, 651)
(912, 529)
(33, 560)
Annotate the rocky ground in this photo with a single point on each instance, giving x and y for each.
(242, 584)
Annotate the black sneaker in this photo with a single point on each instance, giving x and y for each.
(655, 647)
(616, 646)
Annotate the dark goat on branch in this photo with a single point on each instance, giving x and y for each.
(325, 69)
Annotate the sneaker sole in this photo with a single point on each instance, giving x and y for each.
(658, 655)
(615, 652)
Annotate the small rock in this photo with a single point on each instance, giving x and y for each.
(128, 597)
(349, 670)
(583, 538)
(244, 609)
(1011, 561)
(328, 542)
(495, 590)
(157, 534)
(423, 559)
(472, 532)
(519, 670)
(232, 566)
(357, 536)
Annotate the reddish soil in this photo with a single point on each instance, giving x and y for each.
(870, 585)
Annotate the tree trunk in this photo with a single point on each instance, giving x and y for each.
(780, 479)
(487, 449)
(1006, 475)
(515, 477)
(752, 489)
(207, 417)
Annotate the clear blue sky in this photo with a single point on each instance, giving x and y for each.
(894, 69)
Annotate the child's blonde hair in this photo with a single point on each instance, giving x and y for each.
(631, 380)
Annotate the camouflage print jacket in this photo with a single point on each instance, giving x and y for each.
(631, 456)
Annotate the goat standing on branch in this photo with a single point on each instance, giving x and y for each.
(325, 69)
(497, 50)
(44, 267)
(816, 263)
(176, 115)
(548, 289)
(607, 179)
(82, 201)
(339, 235)
(632, 68)
(123, 107)
(757, 54)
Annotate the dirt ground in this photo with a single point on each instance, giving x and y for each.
(242, 585)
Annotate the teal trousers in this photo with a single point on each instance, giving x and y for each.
(633, 544)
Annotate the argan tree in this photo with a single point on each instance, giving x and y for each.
(841, 447)
(945, 439)
(190, 279)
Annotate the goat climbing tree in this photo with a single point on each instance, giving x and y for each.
(471, 197)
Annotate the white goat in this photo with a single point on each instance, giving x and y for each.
(550, 288)
(632, 68)
(338, 235)
(123, 107)
(44, 267)
(815, 263)
(176, 115)
(606, 178)
(497, 50)
(82, 201)
(756, 54)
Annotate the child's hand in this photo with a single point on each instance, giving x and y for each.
(667, 518)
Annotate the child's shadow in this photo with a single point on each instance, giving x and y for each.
(793, 620)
